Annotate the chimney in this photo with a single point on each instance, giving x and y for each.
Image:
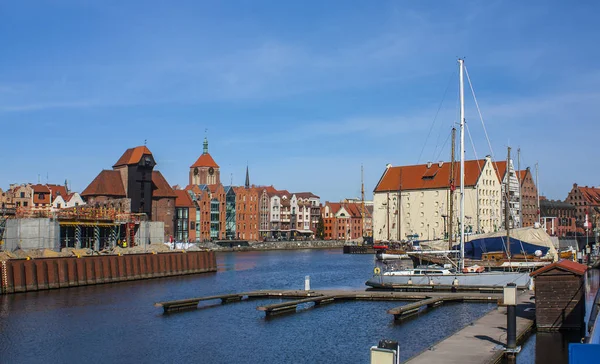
(428, 165)
(440, 164)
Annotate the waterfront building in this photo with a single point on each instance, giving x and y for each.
(132, 186)
(230, 212)
(587, 202)
(558, 217)
(342, 221)
(529, 194)
(413, 201)
(247, 213)
(185, 217)
(308, 213)
(201, 197)
(368, 214)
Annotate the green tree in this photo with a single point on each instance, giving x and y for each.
(320, 228)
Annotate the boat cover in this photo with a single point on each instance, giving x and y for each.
(523, 240)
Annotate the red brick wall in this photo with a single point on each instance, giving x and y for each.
(529, 200)
(163, 209)
(247, 213)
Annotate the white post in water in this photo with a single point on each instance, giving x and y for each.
(307, 283)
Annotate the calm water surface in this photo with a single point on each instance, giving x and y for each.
(117, 323)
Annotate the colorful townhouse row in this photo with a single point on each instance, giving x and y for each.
(39, 197)
(205, 209)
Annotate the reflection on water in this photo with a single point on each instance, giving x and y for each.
(118, 323)
(553, 347)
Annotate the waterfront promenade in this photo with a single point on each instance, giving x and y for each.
(483, 340)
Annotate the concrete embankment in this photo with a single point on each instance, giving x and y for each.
(26, 275)
(277, 245)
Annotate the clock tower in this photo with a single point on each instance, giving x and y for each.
(205, 171)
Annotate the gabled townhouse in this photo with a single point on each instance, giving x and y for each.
(413, 201)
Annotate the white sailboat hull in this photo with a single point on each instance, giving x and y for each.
(485, 279)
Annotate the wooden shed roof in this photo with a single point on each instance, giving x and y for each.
(565, 265)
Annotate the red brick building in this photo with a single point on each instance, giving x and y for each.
(586, 201)
(247, 213)
(558, 217)
(134, 187)
(342, 221)
(529, 193)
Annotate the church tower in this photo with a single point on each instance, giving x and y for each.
(205, 171)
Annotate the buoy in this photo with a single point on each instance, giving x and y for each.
(377, 270)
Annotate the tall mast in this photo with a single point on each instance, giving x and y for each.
(362, 196)
(452, 187)
(462, 163)
(400, 206)
(537, 188)
(520, 187)
(507, 204)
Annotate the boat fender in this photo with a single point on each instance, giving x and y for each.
(455, 282)
(377, 270)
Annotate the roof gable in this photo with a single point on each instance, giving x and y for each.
(163, 189)
(132, 156)
(106, 183)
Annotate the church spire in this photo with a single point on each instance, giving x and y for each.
(247, 177)
(205, 146)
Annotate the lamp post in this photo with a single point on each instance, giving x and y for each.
(510, 301)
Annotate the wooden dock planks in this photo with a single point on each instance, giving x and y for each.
(483, 338)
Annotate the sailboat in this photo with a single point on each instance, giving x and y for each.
(461, 276)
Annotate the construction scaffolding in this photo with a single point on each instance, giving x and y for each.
(78, 227)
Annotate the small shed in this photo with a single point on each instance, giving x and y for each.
(560, 296)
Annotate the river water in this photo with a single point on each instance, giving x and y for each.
(118, 323)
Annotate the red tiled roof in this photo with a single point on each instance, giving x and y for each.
(591, 195)
(40, 189)
(57, 190)
(132, 156)
(163, 189)
(567, 265)
(183, 199)
(205, 160)
(436, 176)
(500, 167)
(523, 175)
(107, 183)
(305, 195)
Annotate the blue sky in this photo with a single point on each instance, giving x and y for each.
(304, 92)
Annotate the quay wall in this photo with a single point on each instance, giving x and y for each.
(26, 275)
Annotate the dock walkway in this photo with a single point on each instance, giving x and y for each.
(483, 340)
